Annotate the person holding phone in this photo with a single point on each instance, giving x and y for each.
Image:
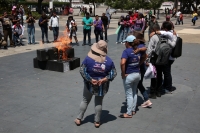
(98, 28)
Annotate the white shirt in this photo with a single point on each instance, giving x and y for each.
(54, 21)
(19, 30)
(178, 13)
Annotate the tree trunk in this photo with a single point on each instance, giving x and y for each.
(39, 6)
(70, 3)
(94, 7)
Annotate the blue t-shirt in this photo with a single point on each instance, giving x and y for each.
(86, 22)
(132, 61)
(98, 70)
(99, 25)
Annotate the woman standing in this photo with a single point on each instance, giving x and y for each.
(142, 50)
(130, 70)
(140, 23)
(127, 25)
(97, 71)
(72, 29)
(194, 17)
(121, 30)
(30, 29)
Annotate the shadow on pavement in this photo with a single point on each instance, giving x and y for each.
(105, 117)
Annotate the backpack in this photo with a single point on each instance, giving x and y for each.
(177, 50)
(163, 51)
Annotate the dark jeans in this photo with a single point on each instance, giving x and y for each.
(193, 21)
(55, 33)
(15, 39)
(97, 34)
(86, 32)
(167, 75)
(105, 31)
(156, 83)
(140, 84)
(8, 32)
(44, 30)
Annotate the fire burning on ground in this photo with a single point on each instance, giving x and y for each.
(63, 44)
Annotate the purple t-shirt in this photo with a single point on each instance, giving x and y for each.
(99, 24)
(132, 61)
(98, 70)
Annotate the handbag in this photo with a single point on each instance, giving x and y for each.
(117, 31)
(150, 72)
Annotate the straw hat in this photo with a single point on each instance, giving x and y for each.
(139, 36)
(98, 51)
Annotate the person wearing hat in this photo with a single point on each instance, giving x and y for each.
(142, 50)
(97, 71)
(151, 23)
(130, 72)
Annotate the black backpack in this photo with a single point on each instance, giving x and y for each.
(177, 50)
(163, 51)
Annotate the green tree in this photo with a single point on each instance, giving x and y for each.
(39, 6)
(6, 5)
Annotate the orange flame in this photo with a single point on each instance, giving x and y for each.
(63, 44)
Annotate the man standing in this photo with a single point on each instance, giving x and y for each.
(90, 10)
(54, 23)
(43, 23)
(98, 28)
(151, 23)
(104, 19)
(178, 17)
(87, 22)
(7, 29)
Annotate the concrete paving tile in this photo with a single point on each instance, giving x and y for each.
(183, 129)
(17, 117)
(5, 126)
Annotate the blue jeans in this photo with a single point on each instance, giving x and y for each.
(15, 39)
(31, 33)
(126, 30)
(130, 86)
(140, 84)
(120, 34)
(55, 33)
(44, 30)
(86, 32)
(97, 34)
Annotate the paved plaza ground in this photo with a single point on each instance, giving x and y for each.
(42, 101)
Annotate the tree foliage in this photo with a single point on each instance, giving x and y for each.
(6, 5)
(134, 4)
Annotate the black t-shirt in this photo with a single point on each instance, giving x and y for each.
(104, 20)
(31, 21)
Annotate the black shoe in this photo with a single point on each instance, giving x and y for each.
(90, 44)
(158, 94)
(152, 95)
(83, 44)
(5, 48)
(48, 41)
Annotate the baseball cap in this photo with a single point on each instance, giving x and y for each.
(130, 38)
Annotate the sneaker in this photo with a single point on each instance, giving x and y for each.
(117, 42)
(167, 91)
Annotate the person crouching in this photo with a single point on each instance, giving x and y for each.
(18, 32)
